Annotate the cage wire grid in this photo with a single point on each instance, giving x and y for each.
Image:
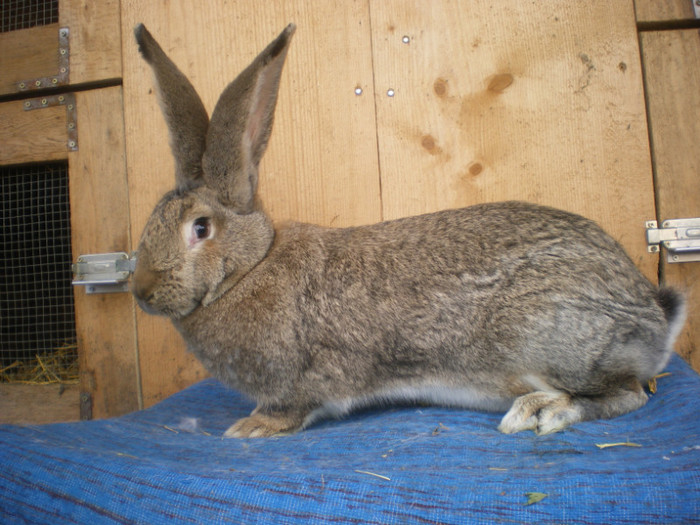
(37, 317)
(23, 14)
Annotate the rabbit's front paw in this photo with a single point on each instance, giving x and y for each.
(543, 412)
(263, 425)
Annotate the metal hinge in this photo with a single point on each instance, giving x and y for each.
(104, 272)
(680, 237)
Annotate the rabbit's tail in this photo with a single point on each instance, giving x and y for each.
(673, 303)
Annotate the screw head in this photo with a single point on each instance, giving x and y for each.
(406, 39)
(358, 91)
(390, 92)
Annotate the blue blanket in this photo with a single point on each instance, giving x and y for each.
(169, 464)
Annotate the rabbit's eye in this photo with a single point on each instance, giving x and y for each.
(201, 228)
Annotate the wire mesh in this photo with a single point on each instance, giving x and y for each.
(23, 14)
(37, 317)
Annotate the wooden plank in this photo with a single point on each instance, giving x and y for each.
(27, 54)
(95, 39)
(672, 76)
(31, 136)
(497, 100)
(664, 10)
(39, 404)
(321, 165)
(100, 223)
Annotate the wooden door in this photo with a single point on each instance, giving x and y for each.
(394, 108)
(44, 119)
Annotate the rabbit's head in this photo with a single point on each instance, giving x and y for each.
(204, 236)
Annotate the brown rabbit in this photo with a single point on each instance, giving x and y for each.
(549, 320)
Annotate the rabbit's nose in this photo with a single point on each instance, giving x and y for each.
(143, 281)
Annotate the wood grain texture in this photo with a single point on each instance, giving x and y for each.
(32, 136)
(27, 54)
(672, 76)
(100, 223)
(508, 100)
(95, 39)
(321, 165)
(39, 404)
(95, 46)
(664, 10)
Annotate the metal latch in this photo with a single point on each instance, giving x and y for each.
(680, 237)
(103, 272)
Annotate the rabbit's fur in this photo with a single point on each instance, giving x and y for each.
(505, 306)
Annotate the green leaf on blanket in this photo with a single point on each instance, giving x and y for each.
(534, 497)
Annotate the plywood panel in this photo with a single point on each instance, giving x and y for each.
(664, 10)
(321, 165)
(31, 136)
(100, 223)
(672, 74)
(507, 100)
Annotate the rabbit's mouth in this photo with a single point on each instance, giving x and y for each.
(146, 306)
(158, 300)
(150, 308)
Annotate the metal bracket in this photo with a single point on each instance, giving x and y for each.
(103, 272)
(680, 237)
(85, 406)
(62, 78)
(67, 100)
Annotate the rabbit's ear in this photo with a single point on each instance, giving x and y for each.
(240, 127)
(184, 112)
